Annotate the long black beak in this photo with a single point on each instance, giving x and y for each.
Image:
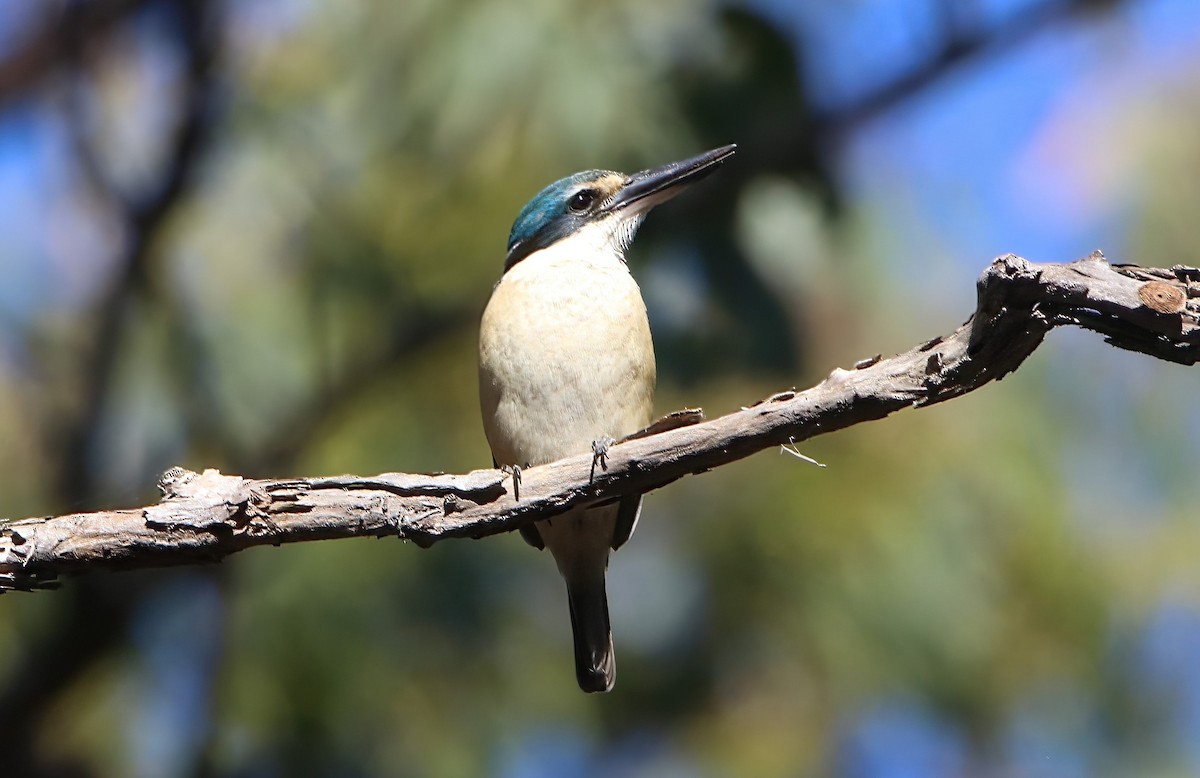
(657, 185)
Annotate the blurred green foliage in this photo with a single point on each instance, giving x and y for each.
(311, 308)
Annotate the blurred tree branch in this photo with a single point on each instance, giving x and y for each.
(96, 616)
(206, 517)
(964, 38)
(143, 214)
(48, 46)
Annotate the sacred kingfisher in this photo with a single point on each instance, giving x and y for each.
(566, 365)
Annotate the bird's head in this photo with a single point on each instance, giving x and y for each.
(609, 204)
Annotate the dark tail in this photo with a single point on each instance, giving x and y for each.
(595, 663)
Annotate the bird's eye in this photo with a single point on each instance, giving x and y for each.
(581, 200)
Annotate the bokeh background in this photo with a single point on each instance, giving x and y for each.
(257, 236)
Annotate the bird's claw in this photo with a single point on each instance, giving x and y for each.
(600, 454)
(515, 472)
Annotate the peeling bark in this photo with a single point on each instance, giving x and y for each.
(205, 517)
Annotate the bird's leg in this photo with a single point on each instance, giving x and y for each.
(515, 472)
(600, 454)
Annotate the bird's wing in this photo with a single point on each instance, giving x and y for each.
(530, 535)
(628, 511)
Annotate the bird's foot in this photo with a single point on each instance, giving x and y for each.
(600, 454)
(515, 472)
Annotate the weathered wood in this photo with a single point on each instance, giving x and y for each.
(205, 517)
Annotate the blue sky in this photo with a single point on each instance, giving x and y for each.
(973, 159)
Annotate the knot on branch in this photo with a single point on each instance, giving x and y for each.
(1007, 321)
(1162, 297)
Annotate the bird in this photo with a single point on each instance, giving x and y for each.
(566, 366)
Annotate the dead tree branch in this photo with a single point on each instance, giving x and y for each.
(207, 517)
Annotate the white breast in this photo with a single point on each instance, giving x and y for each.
(565, 355)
